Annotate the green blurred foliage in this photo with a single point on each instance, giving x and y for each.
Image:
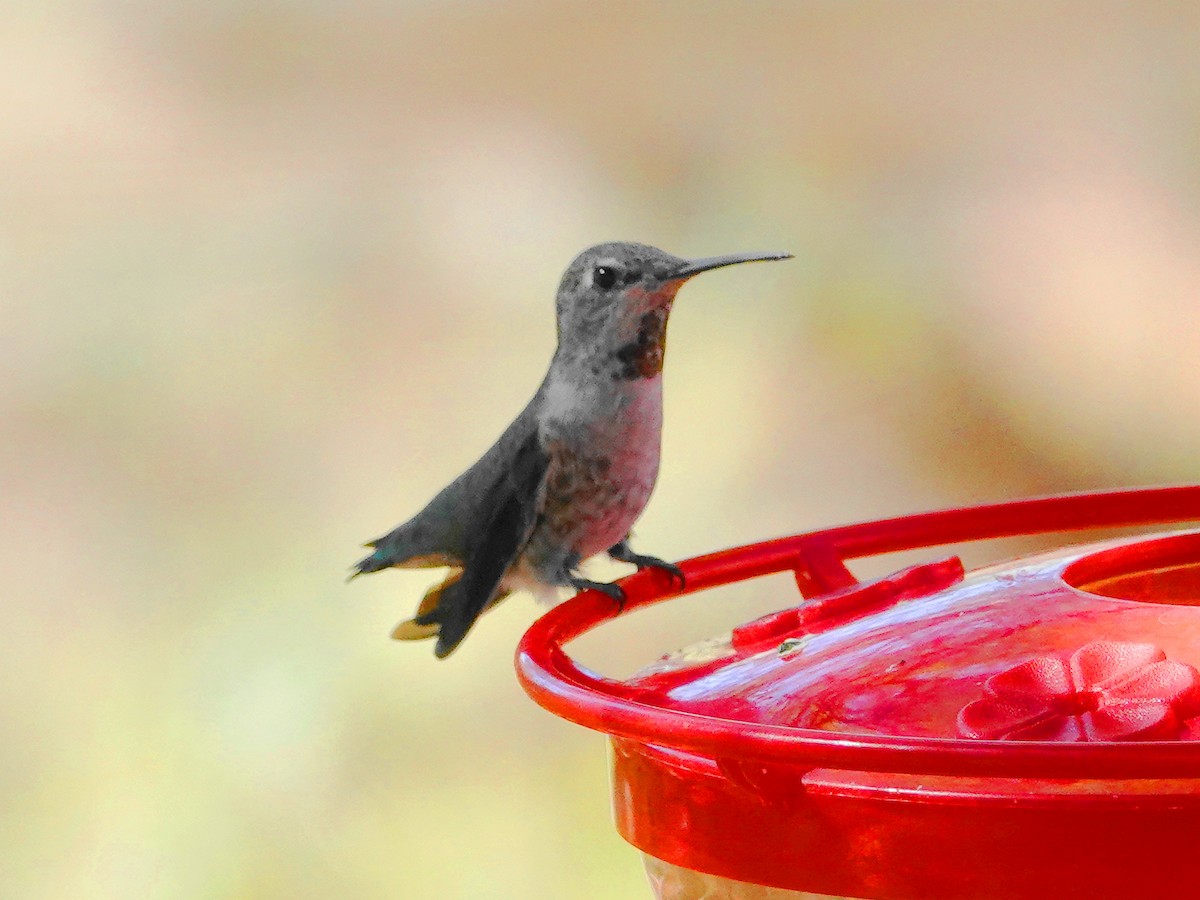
(272, 274)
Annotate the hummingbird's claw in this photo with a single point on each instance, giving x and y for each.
(678, 579)
(622, 553)
(613, 590)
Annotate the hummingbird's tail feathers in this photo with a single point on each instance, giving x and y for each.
(427, 622)
(459, 605)
(424, 624)
(411, 630)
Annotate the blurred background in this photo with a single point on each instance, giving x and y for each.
(271, 274)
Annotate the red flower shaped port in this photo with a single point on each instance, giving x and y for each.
(1106, 691)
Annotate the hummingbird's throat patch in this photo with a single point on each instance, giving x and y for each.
(643, 356)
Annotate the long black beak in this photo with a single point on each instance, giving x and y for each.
(696, 266)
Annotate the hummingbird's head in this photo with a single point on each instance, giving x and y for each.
(621, 292)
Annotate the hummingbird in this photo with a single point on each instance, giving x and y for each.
(570, 476)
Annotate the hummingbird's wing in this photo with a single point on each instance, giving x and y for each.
(509, 511)
(443, 533)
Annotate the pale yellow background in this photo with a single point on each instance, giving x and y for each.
(271, 274)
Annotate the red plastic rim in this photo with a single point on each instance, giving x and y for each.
(557, 683)
(1166, 571)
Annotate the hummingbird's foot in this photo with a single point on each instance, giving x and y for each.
(613, 590)
(622, 553)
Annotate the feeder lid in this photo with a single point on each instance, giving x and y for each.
(929, 669)
(904, 737)
(1086, 645)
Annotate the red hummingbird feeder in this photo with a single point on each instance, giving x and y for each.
(1026, 730)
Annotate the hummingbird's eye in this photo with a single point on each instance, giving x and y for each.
(604, 277)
